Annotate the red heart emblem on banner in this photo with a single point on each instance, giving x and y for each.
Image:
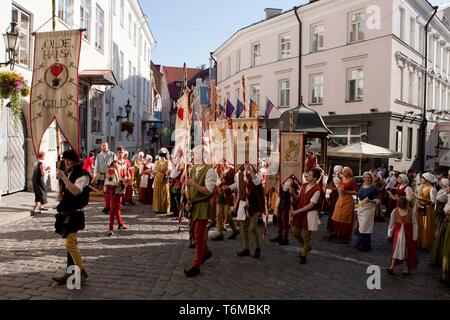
(56, 69)
(180, 113)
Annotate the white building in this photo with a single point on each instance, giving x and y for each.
(362, 69)
(116, 48)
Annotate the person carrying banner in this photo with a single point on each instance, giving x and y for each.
(306, 217)
(201, 184)
(225, 202)
(102, 162)
(117, 177)
(73, 197)
(250, 203)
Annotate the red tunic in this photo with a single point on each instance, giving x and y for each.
(301, 220)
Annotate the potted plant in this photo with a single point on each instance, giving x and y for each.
(13, 87)
(128, 126)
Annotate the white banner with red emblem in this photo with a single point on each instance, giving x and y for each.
(55, 86)
(221, 141)
(182, 127)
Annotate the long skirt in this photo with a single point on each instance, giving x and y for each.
(426, 228)
(128, 197)
(446, 255)
(363, 242)
(146, 195)
(161, 201)
(334, 195)
(403, 247)
(342, 230)
(438, 244)
(40, 195)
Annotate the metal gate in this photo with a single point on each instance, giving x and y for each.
(12, 153)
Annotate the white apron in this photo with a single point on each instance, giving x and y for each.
(366, 217)
(313, 220)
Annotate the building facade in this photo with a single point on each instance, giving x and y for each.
(114, 68)
(362, 69)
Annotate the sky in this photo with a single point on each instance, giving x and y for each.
(187, 30)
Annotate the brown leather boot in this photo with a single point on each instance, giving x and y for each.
(62, 280)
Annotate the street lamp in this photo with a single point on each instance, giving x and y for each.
(12, 41)
(127, 110)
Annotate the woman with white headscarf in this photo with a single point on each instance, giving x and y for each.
(146, 189)
(424, 210)
(403, 190)
(368, 199)
(441, 223)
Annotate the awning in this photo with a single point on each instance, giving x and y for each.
(98, 77)
(150, 119)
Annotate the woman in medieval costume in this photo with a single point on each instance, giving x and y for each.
(161, 197)
(441, 223)
(424, 210)
(403, 230)
(379, 182)
(146, 184)
(128, 198)
(403, 190)
(136, 166)
(445, 278)
(368, 199)
(343, 212)
(333, 194)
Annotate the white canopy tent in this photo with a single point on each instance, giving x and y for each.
(362, 150)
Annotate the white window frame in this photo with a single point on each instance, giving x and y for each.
(86, 18)
(130, 80)
(411, 87)
(228, 67)
(130, 26)
(122, 13)
(421, 39)
(65, 11)
(237, 94)
(409, 141)
(316, 89)
(284, 93)
(121, 66)
(238, 60)
(402, 23)
(255, 93)
(317, 37)
(99, 29)
(25, 43)
(431, 48)
(412, 32)
(256, 54)
(349, 136)
(358, 81)
(399, 139)
(135, 35)
(284, 46)
(359, 27)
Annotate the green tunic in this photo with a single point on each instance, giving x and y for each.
(201, 204)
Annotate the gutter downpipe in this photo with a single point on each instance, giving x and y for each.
(300, 98)
(424, 123)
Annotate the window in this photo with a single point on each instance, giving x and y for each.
(431, 48)
(85, 18)
(134, 35)
(116, 62)
(237, 94)
(402, 83)
(420, 91)
(285, 47)
(65, 10)
(410, 143)
(430, 93)
(140, 44)
(438, 54)
(355, 84)
(402, 24)
(316, 89)
(23, 21)
(412, 32)
(256, 54)
(99, 30)
(238, 61)
(255, 93)
(121, 64)
(317, 34)
(122, 12)
(443, 96)
(421, 39)
(284, 93)
(228, 67)
(220, 72)
(130, 27)
(356, 27)
(343, 136)
(130, 79)
(398, 139)
(444, 60)
(97, 111)
(411, 88)
(436, 96)
(134, 81)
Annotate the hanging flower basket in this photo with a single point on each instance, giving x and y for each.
(13, 87)
(128, 126)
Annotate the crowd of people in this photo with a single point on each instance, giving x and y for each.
(416, 205)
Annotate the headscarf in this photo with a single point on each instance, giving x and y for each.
(404, 178)
(431, 178)
(148, 158)
(445, 182)
(338, 169)
(367, 173)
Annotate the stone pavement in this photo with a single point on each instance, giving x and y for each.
(147, 261)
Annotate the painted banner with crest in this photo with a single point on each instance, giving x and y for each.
(55, 86)
(291, 156)
(182, 126)
(221, 141)
(246, 135)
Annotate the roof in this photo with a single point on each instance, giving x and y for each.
(98, 77)
(203, 74)
(305, 120)
(176, 74)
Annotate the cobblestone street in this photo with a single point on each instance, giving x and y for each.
(147, 262)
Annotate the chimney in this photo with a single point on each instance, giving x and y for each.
(271, 12)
